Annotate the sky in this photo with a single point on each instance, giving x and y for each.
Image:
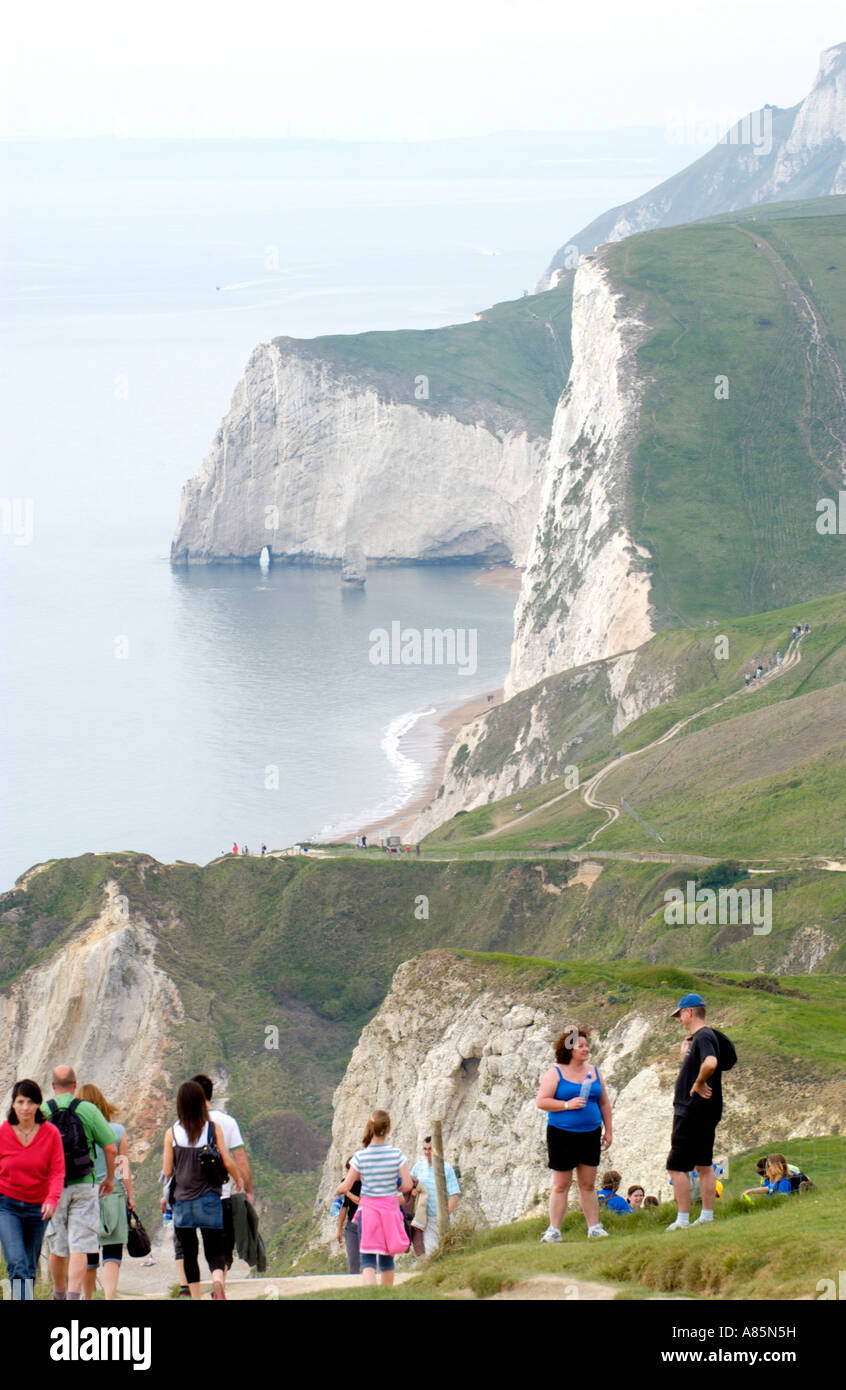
(386, 70)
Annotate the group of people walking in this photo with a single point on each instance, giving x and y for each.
(580, 1125)
(64, 1173)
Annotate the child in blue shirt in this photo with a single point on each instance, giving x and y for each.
(607, 1194)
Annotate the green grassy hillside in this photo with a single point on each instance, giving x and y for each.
(508, 366)
(758, 776)
(725, 488)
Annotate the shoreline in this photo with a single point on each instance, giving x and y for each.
(447, 719)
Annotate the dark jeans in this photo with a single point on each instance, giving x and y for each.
(214, 1249)
(21, 1233)
(352, 1240)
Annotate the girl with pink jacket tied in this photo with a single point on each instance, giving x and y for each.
(383, 1170)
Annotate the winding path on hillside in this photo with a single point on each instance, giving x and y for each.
(613, 811)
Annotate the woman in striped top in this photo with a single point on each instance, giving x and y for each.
(383, 1171)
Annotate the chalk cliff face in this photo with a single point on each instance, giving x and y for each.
(462, 1042)
(768, 156)
(585, 590)
(818, 132)
(102, 1004)
(311, 459)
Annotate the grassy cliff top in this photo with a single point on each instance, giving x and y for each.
(506, 368)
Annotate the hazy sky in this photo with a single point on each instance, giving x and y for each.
(389, 69)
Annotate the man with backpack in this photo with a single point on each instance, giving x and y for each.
(697, 1109)
(75, 1225)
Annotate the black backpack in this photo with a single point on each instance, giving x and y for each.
(78, 1160)
(796, 1180)
(728, 1054)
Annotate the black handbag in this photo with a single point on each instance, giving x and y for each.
(137, 1241)
(212, 1165)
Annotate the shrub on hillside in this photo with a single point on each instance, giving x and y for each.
(722, 874)
(284, 1139)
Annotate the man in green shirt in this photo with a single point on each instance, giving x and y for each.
(74, 1228)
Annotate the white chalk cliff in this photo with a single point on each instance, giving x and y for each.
(311, 458)
(770, 155)
(101, 1003)
(465, 1043)
(585, 590)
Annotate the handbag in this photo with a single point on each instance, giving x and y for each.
(211, 1164)
(137, 1241)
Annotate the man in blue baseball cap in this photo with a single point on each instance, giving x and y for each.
(697, 1108)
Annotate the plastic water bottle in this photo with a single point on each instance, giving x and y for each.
(168, 1216)
(335, 1208)
(584, 1089)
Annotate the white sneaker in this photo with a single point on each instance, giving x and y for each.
(598, 1230)
(678, 1225)
(551, 1236)
(703, 1221)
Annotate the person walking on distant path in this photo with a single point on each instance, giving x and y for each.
(574, 1096)
(424, 1173)
(697, 1109)
(379, 1165)
(75, 1226)
(32, 1174)
(235, 848)
(114, 1226)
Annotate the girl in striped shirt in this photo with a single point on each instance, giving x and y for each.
(383, 1171)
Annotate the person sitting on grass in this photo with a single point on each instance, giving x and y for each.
(608, 1195)
(800, 1181)
(635, 1196)
(776, 1179)
(650, 1202)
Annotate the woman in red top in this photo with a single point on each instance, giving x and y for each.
(32, 1175)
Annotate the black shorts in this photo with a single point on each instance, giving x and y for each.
(567, 1148)
(692, 1143)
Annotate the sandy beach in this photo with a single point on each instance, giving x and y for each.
(446, 721)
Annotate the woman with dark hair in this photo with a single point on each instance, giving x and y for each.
(32, 1176)
(635, 1196)
(576, 1101)
(188, 1156)
(114, 1224)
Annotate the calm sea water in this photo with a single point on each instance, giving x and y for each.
(153, 709)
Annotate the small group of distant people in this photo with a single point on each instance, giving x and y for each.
(388, 1208)
(579, 1124)
(610, 1198)
(64, 1173)
(761, 668)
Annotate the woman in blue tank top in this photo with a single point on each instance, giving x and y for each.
(578, 1107)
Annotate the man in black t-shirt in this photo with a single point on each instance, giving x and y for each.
(697, 1108)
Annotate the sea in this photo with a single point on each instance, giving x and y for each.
(175, 711)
